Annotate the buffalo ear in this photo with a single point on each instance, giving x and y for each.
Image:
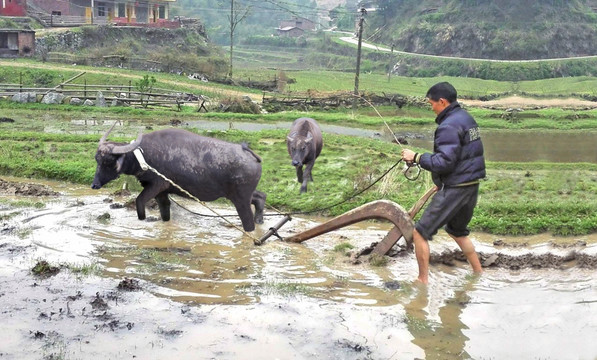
(119, 163)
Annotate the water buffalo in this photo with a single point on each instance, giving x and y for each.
(207, 168)
(304, 143)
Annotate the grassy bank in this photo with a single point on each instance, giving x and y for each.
(515, 199)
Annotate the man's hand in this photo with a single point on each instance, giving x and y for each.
(408, 155)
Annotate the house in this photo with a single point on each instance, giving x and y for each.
(118, 12)
(13, 8)
(16, 43)
(123, 12)
(290, 31)
(299, 22)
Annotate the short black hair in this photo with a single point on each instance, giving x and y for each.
(442, 90)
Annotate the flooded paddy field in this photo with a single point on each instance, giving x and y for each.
(500, 145)
(196, 288)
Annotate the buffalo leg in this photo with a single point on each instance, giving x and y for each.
(164, 205)
(258, 200)
(307, 176)
(149, 192)
(309, 170)
(243, 208)
(299, 174)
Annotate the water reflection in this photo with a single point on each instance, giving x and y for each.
(442, 339)
(531, 145)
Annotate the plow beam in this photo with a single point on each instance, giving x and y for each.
(395, 234)
(381, 209)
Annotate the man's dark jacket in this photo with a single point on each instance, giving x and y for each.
(457, 149)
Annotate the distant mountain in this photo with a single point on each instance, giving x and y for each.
(489, 29)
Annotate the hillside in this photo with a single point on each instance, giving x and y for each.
(487, 29)
(185, 49)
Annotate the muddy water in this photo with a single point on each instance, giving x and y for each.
(306, 300)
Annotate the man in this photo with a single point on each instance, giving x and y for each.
(457, 164)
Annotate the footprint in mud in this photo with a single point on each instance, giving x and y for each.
(129, 285)
(170, 333)
(98, 303)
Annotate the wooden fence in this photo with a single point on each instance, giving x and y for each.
(125, 94)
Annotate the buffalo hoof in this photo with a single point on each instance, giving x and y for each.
(258, 218)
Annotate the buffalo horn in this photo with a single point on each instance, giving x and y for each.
(105, 137)
(123, 149)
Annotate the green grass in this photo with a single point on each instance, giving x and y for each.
(84, 270)
(319, 81)
(285, 289)
(23, 204)
(516, 198)
(343, 248)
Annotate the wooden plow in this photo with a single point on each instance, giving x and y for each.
(380, 209)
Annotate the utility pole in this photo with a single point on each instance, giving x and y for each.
(237, 14)
(356, 76)
(231, 36)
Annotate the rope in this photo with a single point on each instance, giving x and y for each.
(208, 215)
(350, 197)
(145, 166)
(313, 210)
(406, 173)
(409, 165)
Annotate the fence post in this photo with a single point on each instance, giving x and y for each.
(129, 89)
(85, 90)
(21, 82)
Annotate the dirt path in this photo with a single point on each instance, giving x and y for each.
(353, 40)
(523, 102)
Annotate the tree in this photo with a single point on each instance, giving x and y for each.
(144, 86)
(237, 14)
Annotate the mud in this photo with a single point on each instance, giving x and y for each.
(25, 189)
(558, 255)
(193, 288)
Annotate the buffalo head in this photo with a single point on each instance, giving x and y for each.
(298, 147)
(110, 157)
